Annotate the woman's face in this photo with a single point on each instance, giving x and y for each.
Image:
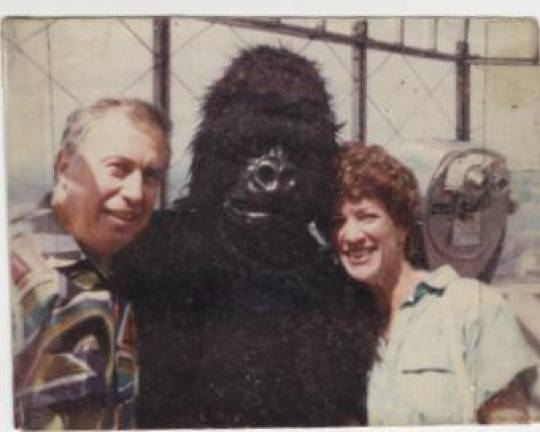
(368, 243)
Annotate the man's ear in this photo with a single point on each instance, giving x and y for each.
(61, 163)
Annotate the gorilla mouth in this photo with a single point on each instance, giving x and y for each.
(240, 209)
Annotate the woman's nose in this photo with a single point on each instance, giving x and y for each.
(351, 232)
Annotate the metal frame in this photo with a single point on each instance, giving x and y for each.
(463, 93)
(359, 66)
(274, 25)
(360, 42)
(161, 76)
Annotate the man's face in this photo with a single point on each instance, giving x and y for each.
(107, 188)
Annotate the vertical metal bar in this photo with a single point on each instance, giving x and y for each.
(466, 29)
(435, 34)
(463, 93)
(359, 73)
(401, 32)
(161, 78)
(537, 39)
(52, 118)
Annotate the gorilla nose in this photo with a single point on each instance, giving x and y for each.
(272, 175)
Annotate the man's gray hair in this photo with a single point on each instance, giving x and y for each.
(141, 113)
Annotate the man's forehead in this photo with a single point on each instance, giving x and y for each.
(116, 134)
(119, 118)
(118, 125)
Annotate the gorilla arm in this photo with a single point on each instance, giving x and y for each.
(508, 405)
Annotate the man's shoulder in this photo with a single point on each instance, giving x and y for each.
(23, 232)
(38, 242)
(28, 218)
(20, 219)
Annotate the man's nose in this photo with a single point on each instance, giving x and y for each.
(132, 187)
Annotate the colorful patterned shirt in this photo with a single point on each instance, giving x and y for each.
(75, 360)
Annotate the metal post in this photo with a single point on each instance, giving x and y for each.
(359, 70)
(463, 93)
(401, 35)
(161, 88)
(435, 34)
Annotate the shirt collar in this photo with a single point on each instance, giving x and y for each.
(435, 283)
(441, 277)
(57, 245)
(54, 239)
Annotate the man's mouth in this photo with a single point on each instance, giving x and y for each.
(123, 217)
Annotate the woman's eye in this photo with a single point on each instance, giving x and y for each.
(367, 217)
(338, 221)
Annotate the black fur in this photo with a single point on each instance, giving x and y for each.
(251, 325)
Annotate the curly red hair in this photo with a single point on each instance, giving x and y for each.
(368, 171)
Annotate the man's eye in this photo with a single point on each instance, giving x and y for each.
(153, 177)
(118, 169)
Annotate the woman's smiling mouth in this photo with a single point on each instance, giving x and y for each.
(358, 255)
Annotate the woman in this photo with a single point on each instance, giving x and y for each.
(451, 351)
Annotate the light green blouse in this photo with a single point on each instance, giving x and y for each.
(447, 320)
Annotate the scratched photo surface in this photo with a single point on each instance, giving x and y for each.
(455, 99)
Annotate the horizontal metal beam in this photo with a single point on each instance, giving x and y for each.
(408, 50)
(502, 61)
(320, 33)
(271, 25)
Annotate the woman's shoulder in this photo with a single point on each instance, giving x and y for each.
(464, 293)
(446, 280)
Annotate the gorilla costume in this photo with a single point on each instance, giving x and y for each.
(243, 317)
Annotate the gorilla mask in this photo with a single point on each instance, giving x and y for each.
(263, 154)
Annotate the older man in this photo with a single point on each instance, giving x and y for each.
(74, 345)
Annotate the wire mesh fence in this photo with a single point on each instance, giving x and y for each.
(57, 65)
